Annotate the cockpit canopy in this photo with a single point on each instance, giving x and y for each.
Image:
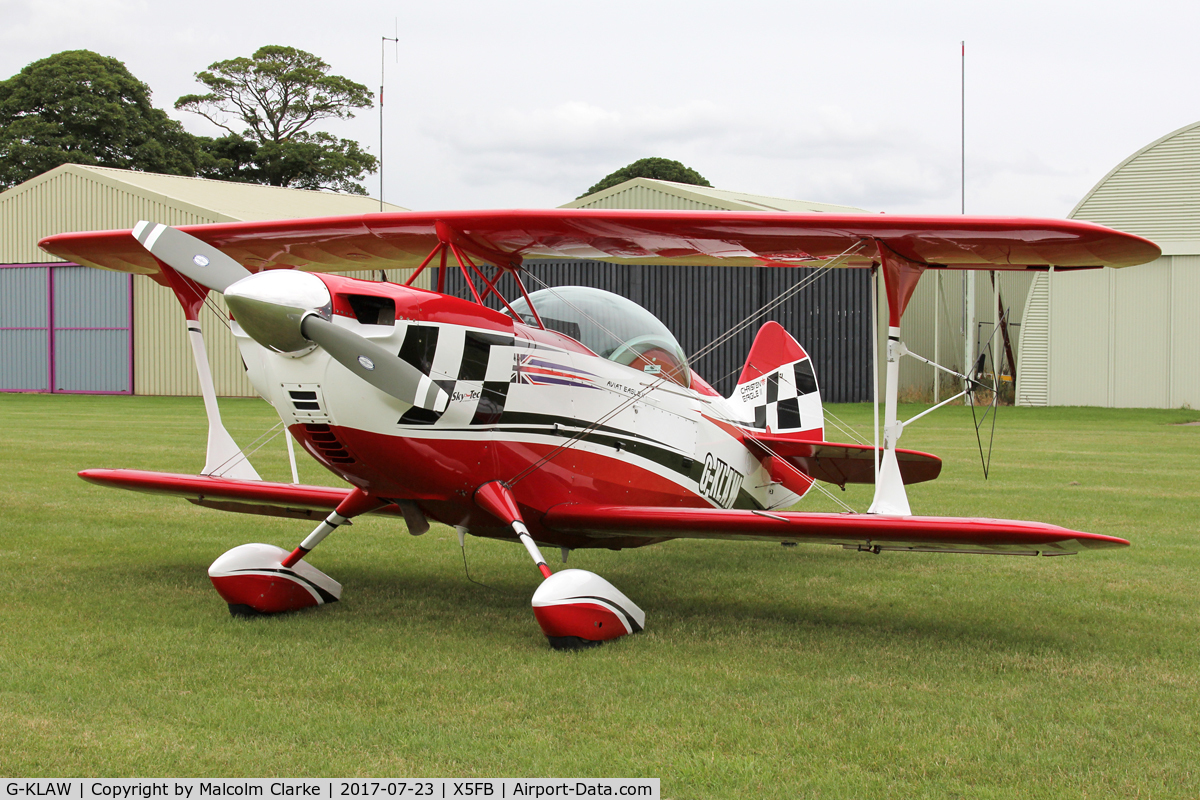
(612, 327)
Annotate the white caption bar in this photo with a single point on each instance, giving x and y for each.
(329, 788)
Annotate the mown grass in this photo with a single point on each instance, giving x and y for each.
(764, 671)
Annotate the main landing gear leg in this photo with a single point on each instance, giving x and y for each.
(575, 608)
(264, 579)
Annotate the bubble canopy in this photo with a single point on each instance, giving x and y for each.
(612, 327)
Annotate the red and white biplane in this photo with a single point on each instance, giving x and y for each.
(570, 417)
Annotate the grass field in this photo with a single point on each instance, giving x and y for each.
(764, 671)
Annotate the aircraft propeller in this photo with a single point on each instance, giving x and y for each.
(289, 311)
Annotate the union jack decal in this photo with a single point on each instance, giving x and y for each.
(535, 370)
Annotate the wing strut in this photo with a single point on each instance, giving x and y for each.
(505, 263)
(900, 278)
(223, 457)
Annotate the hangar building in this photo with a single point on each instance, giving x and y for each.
(66, 328)
(1107, 338)
(830, 317)
(1129, 337)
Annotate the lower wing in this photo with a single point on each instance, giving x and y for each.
(853, 531)
(246, 497)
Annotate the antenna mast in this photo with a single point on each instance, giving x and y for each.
(969, 327)
(382, 52)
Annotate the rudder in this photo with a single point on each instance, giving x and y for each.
(778, 388)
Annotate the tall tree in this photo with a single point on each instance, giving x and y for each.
(663, 169)
(267, 103)
(79, 107)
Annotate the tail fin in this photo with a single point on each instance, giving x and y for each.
(778, 388)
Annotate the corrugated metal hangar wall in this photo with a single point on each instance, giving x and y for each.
(830, 318)
(1129, 337)
(64, 329)
(933, 327)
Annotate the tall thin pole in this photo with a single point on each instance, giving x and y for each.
(382, 53)
(937, 380)
(969, 331)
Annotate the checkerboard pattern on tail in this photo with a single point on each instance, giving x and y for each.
(777, 390)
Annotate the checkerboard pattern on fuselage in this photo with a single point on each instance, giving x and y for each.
(473, 367)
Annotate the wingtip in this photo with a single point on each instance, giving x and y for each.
(1097, 541)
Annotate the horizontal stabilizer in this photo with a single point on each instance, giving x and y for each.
(872, 532)
(246, 497)
(842, 463)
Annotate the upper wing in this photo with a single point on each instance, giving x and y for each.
(858, 531)
(402, 240)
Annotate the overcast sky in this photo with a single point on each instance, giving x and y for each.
(528, 103)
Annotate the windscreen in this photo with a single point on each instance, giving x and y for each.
(612, 327)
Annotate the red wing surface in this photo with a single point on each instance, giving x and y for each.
(246, 497)
(856, 531)
(402, 240)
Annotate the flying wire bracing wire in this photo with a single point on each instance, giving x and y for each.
(844, 426)
(700, 354)
(241, 455)
(994, 406)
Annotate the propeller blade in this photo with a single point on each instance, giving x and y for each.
(383, 370)
(268, 307)
(189, 256)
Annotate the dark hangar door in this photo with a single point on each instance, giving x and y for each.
(831, 317)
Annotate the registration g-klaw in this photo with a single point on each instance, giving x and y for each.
(566, 417)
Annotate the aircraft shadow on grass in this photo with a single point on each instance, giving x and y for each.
(384, 593)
